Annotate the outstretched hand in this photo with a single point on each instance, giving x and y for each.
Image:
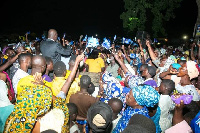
(38, 80)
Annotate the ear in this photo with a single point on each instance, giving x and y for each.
(74, 116)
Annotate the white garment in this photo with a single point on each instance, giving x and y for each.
(74, 128)
(52, 120)
(114, 122)
(4, 101)
(166, 106)
(66, 61)
(188, 89)
(17, 76)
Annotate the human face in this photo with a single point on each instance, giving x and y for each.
(144, 72)
(182, 71)
(10, 53)
(50, 66)
(29, 62)
(130, 100)
(162, 88)
(162, 62)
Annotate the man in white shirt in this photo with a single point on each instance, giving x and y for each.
(25, 63)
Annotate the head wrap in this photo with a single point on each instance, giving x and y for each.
(193, 69)
(168, 62)
(145, 95)
(99, 116)
(107, 77)
(176, 66)
(134, 81)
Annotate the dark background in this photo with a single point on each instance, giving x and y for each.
(83, 17)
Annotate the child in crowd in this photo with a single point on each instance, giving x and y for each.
(59, 77)
(73, 112)
(116, 106)
(49, 68)
(166, 104)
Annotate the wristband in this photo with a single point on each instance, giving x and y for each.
(98, 96)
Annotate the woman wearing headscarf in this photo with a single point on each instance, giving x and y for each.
(188, 71)
(138, 99)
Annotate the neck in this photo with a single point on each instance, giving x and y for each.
(185, 80)
(47, 72)
(114, 116)
(83, 90)
(147, 77)
(71, 124)
(34, 71)
(137, 107)
(24, 68)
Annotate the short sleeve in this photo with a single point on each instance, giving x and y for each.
(61, 94)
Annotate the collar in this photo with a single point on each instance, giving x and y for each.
(51, 39)
(59, 78)
(148, 79)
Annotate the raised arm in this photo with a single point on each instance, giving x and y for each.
(125, 69)
(192, 52)
(72, 75)
(151, 52)
(9, 62)
(63, 51)
(127, 57)
(178, 117)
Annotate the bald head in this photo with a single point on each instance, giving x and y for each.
(52, 34)
(39, 63)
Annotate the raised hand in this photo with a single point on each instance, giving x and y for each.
(80, 57)
(123, 47)
(38, 79)
(116, 56)
(148, 43)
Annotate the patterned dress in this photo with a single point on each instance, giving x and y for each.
(60, 104)
(128, 113)
(33, 102)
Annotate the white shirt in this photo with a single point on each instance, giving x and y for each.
(166, 106)
(4, 101)
(188, 89)
(66, 61)
(114, 122)
(17, 76)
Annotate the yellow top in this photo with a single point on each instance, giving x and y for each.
(57, 85)
(95, 65)
(74, 86)
(27, 82)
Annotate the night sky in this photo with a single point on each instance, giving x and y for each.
(82, 17)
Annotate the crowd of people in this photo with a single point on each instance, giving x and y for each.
(55, 86)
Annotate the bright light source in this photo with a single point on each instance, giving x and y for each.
(166, 39)
(185, 37)
(158, 43)
(96, 35)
